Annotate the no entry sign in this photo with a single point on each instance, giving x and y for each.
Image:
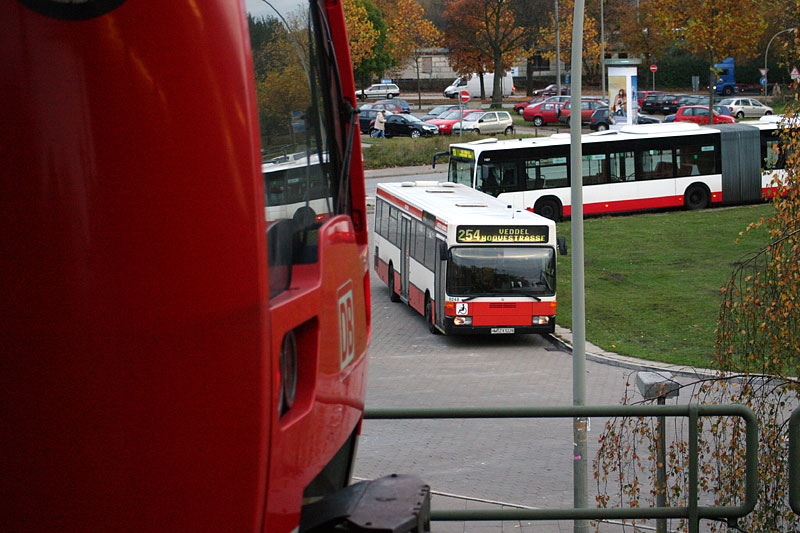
(653, 68)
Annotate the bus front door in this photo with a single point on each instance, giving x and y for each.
(405, 251)
(440, 271)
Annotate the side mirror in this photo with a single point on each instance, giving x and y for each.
(438, 154)
(442, 250)
(481, 120)
(562, 245)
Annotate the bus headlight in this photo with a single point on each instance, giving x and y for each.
(462, 321)
(540, 320)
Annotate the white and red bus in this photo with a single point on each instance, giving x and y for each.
(173, 360)
(466, 261)
(635, 168)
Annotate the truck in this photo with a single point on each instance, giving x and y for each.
(725, 82)
(472, 84)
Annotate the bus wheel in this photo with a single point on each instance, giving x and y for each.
(538, 122)
(393, 296)
(429, 315)
(548, 208)
(696, 197)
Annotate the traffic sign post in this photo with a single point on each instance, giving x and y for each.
(653, 69)
(463, 97)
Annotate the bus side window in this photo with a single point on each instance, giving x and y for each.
(622, 167)
(393, 226)
(419, 236)
(594, 169)
(430, 248)
(378, 209)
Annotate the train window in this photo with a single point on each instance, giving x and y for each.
(297, 91)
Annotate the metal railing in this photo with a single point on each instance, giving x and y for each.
(692, 512)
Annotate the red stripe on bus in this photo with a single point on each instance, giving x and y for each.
(399, 203)
(506, 309)
(636, 205)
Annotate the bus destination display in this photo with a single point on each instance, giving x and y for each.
(501, 234)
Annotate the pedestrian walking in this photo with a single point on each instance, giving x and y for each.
(380, 124)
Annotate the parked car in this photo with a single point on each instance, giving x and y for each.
(550, 90)
(746, 107)
(406, 126)
(671, 103)
(445, 122)
(388, 105)
(652, 102)
(587, 108)
(486, 123)
(520, 106)
(402, 104)
(559, 99)
(699, 115)
(379, 90)
(366, 117)
(601, 119)
(542, 113)
(440, 110)
(641, 95)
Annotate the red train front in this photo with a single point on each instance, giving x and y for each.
(172, 360)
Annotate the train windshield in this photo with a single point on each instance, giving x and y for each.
(298, 89)
(501, 271)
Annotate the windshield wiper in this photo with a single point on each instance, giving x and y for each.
(526, 293)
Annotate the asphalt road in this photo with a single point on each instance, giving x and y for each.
(476, 463)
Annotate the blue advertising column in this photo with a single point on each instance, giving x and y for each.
(622, 88)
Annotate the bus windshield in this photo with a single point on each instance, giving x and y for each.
(501, 270)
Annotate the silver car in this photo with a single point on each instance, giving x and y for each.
(487, 123)
(746, 107)
(379, 90)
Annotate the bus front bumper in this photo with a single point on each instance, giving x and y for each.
(451, 329)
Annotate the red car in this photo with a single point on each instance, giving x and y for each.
(699, 115)
(588, 107)
(542, 113)
(520, 106)
(445, 122)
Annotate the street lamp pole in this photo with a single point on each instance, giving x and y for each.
(602, 54)
(558, 56)
(765, 58)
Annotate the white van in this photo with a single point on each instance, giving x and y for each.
(472, 84)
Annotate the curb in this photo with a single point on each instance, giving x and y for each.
(598, 355)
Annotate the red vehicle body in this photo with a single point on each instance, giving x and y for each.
(542, 113)
(445, 125)
(699, 115)
(519, 107)
(152, 317)
(588, 106)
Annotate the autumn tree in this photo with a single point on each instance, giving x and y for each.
(492, 26)
(361, 33)
(381, 58)
(591, 37)
(637, 30)
(757, 363)
(467, 55)
(410, 34)
(714, 29)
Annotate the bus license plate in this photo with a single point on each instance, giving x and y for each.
(502, 330)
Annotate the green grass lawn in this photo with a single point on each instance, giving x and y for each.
(653, 280)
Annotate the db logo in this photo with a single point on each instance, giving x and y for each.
(347, 334)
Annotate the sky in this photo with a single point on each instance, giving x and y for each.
(258, 8)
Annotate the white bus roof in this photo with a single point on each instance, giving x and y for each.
(455, 203)
(633, 132)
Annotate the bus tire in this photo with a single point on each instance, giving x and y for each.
(548, 208)
(696, 197)
(538, 122)
(429, 315)
(393, 296)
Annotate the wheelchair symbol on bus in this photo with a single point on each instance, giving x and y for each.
(462, 309)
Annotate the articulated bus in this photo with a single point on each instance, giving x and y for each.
(466, 261)
(635, 168)
(173, 359)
